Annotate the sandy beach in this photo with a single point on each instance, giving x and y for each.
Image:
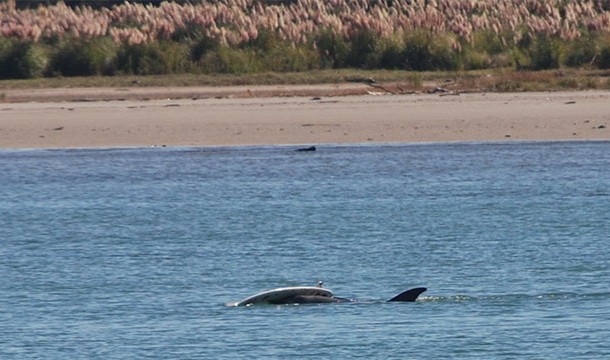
(298, 115)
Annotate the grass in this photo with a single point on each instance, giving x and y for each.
(267, 78)
(495, 80)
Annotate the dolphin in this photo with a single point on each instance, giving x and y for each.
(406, 296)
(314, 295)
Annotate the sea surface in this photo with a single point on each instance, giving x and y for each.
(133, 253)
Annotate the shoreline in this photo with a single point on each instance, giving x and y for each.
(147, 93)
(291, 147)
(299, 115)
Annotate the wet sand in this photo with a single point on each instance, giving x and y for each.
(305, 115)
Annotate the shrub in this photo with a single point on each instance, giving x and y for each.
(267, 52)
(475, 60)
(486, 50)
(266, 40)
(228, 60)
(289, 58)
(333, 49)
(603, 60)
(203, 46)
(426, 51)
(272, 53)
(22, 60)
(519, 58)
(488, 42)
(84, 58)
(175, 57)
(6, 46)
(163, 57)
(362, 50)
(392, 55)
(544, 54)
(580, 52)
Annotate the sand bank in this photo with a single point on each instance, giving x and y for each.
(314, 116)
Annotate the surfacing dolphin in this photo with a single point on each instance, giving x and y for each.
(313, 295)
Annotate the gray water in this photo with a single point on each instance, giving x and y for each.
(132, 253)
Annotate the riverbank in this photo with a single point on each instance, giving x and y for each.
(299, 115)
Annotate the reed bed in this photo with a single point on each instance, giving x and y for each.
(250, 36)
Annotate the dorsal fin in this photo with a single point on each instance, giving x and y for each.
(409, 295)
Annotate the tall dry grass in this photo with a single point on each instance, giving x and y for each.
(234, 22)
(360, 33)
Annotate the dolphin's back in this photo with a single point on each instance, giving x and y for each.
(409, 295)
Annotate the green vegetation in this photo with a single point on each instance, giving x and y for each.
(488, 80)
(241, 37)
(418, 51)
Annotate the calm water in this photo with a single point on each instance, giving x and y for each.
(132, 253)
